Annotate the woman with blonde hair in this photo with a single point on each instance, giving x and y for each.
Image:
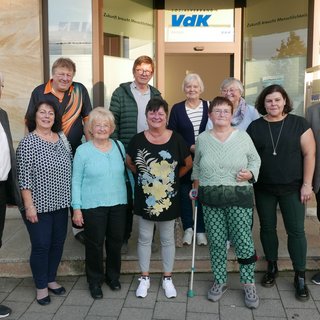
(99, 199)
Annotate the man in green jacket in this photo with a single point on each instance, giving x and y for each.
(128, 105)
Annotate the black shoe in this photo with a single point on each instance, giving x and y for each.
(44, 301)
(302, 292)
(4, 311)
(80, 237)
(269, 279)
(96, 292)
(58, 291)
(114, 284)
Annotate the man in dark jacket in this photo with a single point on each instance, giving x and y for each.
(9, 188)
(128, 105)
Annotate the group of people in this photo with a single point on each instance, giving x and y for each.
(223, 153)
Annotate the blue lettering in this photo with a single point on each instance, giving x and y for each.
(176, 20)
(203, 20)
(190, 21)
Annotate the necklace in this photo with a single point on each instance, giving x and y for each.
(47, 137)
(274, 146)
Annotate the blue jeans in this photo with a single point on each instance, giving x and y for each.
(187, 210)
(47, 239)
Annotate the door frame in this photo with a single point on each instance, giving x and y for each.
(162, 47)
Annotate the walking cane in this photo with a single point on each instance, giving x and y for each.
(190, 291)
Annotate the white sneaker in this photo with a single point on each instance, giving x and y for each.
(187, 237)
(169, 289)
(202, 239)
(144, 285)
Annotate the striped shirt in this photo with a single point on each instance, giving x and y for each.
(195, 116)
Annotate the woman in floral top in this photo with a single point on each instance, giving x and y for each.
(158, 157)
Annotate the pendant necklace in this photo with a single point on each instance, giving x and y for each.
(274, 146)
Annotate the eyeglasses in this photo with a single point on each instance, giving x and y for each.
(231, 90)
(218, 111)
(102, 126)
(143, 71)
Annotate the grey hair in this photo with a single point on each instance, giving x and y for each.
(227, 82)
(102, 114)
(192, 77)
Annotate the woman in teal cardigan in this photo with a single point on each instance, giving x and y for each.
(99, 199)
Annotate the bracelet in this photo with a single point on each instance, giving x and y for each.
(307, 185)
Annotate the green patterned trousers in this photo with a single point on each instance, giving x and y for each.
(234, 223)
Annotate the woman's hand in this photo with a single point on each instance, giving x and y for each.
(31, 214)
(305, 193)
(193, 148)
(77, 218)
(244, 175)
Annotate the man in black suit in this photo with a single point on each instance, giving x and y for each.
(9, 188)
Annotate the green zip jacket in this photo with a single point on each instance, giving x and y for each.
(125, 111)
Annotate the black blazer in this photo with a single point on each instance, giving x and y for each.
(12, 186)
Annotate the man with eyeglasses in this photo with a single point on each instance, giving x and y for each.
(128, 105)
(73, 101)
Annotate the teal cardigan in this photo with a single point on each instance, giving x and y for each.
(98, 178)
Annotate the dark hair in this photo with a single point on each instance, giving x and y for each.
(155, 104)
(271, 89)
(143, 59)
(217, 101)
(31, 116)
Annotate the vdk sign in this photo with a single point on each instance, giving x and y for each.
(195, 20)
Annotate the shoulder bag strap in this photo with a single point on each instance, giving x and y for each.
(124, 160)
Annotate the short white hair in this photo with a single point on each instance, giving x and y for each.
(190, 77)
(229, 81)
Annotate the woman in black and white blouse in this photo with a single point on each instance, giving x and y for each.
(44, 173)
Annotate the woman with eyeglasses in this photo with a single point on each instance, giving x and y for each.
(226, 164)
(99, 199)
(243, 113)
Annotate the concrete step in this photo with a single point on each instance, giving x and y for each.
(14, 254)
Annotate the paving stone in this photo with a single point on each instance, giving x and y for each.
(202, 305)
(235, 313)
(267, 293)
(134, 313)
(270, 308)
(71, 313)
(203, 316)
(170, 310)
(314, 291)
(303, 314)
(36, 316)
(8, 284)
(79, 298)
(106, 307)
(81, 283)
(22, 294)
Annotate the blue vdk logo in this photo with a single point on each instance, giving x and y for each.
(196, 20)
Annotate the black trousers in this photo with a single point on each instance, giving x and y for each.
(3, 207)
(104, 226)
